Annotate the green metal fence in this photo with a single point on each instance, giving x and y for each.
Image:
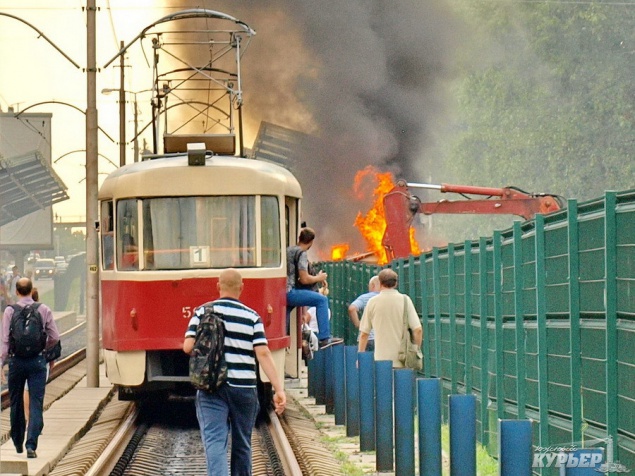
(537, 321)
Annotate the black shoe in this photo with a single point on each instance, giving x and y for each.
(30, 453)
(329, 342)
(19, 449)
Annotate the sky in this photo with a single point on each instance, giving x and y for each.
(369, 78)
(32, 71)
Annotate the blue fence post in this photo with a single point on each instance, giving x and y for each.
(429, 402)
(383, 412)
(311, 370)
(339, 385)
(404, 422)
(318, 387)
(462, 435)
(514, 447)
(328, 379)
(366, 401)
(352, 391)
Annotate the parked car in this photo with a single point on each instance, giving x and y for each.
(44, 268)
(60, 267)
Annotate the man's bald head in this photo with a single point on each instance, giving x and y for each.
(230, 283)
(24, 286)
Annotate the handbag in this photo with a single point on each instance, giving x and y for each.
(54, 352)
(410, 354)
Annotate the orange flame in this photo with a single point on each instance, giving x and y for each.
(373, 225)
(338, 252)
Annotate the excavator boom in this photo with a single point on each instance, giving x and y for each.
(400, 208)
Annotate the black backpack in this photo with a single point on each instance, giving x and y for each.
(208, 369)
(26, 333)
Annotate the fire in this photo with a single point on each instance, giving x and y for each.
(372, 225)
(338, 252)
(414, 245)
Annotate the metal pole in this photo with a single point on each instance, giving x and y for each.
(463, 435)
(352, 391)
(429, 404)
(122, 111)
(366, 401)
(318, 382)
(92, 276)
(383, 413)
(404, 399)
(328, 381)
(339, 385)
(515, 453)
(136, 130)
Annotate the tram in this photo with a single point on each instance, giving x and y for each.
(193, 206)
(168, 227)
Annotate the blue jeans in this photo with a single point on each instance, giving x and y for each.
(230, 409)
(22, 370)
(304, 297)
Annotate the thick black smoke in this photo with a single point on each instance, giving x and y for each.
(369, 78)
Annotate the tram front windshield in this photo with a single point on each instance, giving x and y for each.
(198, 232)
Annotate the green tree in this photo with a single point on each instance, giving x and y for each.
(547, 101)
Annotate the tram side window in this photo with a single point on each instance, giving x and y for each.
(199, 232)
(270, 213)
(127, 229)
(107, 236)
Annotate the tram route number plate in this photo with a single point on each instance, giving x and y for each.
(199, 255)
(92, 268)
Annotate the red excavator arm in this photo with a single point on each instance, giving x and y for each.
(400, 207)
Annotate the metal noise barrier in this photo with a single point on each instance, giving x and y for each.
(389, 398)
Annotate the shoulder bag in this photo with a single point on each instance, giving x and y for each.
(410, 353)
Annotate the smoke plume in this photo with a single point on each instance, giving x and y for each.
(368, 78)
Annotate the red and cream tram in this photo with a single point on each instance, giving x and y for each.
(168, 227)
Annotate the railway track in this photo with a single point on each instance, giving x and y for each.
(131, 439)
(166, 440)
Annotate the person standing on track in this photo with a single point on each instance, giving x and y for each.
(26, 369)
(234, 406)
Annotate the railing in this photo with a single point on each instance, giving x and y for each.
(537, 321)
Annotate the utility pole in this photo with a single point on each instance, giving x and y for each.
(92, 276)
(122, 111)
(136, 130)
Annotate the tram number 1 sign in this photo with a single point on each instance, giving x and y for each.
(199, 256)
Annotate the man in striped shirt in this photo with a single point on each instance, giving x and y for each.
(234, 406)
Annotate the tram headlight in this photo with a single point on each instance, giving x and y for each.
(196, 153)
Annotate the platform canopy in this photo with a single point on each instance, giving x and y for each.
(27, 184)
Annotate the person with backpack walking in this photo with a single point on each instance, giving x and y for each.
(232, 405)
(28, 328)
